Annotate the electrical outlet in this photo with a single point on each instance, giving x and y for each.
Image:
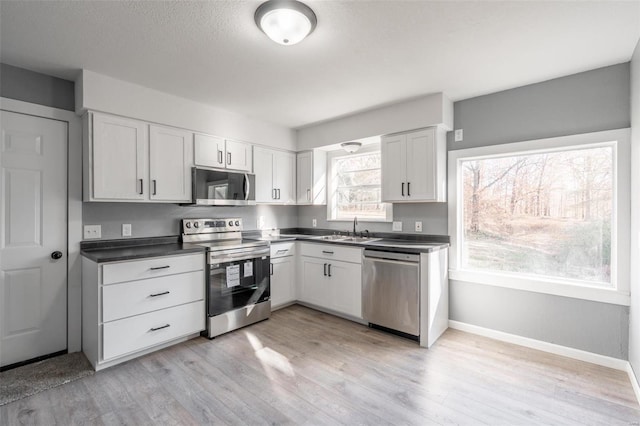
(397, 226)
(92, 232)
(457, 135)
(418, 226)
(126, 229)
(314, 222)
(260, 222)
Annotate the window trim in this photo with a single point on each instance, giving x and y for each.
(620, 267)
(331, 187)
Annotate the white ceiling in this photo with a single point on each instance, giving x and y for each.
(362, 54)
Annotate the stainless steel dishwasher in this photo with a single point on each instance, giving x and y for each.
(391, 292)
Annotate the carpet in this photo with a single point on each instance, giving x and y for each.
(33, 378)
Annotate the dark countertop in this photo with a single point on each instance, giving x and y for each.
(138, 248)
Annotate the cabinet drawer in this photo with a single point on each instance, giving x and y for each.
(151, 268)
(142, 331)
(283, 249)
(139, 297)
(332, 252)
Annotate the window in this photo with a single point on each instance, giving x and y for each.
(354, 182)
(538, 213)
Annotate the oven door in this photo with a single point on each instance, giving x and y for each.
(237, 278)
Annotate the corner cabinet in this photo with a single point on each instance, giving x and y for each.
(134, 307)
(215, 152)
(331, 278)
(311, 177)
(130, 160)
(275, 176)
(414, 166)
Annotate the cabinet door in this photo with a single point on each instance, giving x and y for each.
(170, 153)
(346, 288)
(304, 178)
(394, 168)
(209, 151)
(264, 175)
(238, 156)
(284, 177)
(314, 287)
(119, 158)
(282, 289)
(421, 166)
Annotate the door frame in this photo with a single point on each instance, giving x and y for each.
(74, 208)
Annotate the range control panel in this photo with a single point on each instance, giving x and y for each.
(209, 226)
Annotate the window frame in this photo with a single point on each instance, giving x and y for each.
(332, 156)
(618, 294)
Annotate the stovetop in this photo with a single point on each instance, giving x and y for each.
(231, 244)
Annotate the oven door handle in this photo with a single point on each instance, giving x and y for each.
(239, 256)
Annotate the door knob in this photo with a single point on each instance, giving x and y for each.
(56, 255)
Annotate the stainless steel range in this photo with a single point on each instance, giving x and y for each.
(238, 281)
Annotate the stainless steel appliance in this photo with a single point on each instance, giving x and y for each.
(238, 279)
(211, 187)
(391, 292)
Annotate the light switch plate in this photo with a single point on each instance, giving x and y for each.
(397, 226)
(92, 232)
(418, 226)
(458, 135)
(126, 229)
(314, 222)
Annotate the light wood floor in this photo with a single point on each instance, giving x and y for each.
(305, 367)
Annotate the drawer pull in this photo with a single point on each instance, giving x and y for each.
(155, 268)
(160, 328)
(327, 252)
(281, 251)
(159, 294)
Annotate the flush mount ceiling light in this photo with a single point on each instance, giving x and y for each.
(351, 147)
(286, 22)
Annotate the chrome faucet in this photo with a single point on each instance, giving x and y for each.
(355, 222)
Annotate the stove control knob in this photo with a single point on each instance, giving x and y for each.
(196, 224)
(188, 224)
(230, 223)
(237, 223)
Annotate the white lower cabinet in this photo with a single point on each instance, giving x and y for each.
(283, 290)
(331, 284)
(134, 307)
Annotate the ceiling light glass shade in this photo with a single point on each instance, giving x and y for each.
(351, 147)
(286, 22)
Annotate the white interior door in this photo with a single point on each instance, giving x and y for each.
(33, 219)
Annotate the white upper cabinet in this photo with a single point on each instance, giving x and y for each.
(118, 158)
(275, 176)
(212, 151)
(414, 166)
(170, 153)
(130, 160)
(311, 177)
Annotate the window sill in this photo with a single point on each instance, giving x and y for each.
(541, 285)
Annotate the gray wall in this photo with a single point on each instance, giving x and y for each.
(154, 220)
(432, 215)
(634, 329)
(28, 86)
(586, 102)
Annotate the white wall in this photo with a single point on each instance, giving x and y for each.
(426, 111)
(99, 92)
(634, 319)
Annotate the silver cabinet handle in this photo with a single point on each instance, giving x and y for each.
(274, 193)
(159, 294)
(141, 186)
(220, 157)
(278, 193)
(160, 328)
(281, 251)
(270, 268)
(229, 158)
(309, 195)
(155, 268)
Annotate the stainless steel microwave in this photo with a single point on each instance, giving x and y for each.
(222, 188)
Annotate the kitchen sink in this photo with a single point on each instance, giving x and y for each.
(359, 239)
(333, 237)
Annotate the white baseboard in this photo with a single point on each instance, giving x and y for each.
(634, 381)
(605, 361)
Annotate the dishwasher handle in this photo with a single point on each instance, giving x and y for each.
(389, 255)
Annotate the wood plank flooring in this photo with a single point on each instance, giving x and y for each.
(305, 367)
